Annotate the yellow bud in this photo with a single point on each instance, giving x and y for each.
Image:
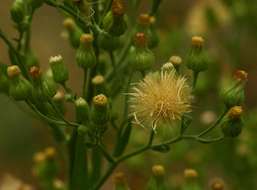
(100, 100)
(197, 41)
(50, 152)
(158, 170)
(217, 184)
(190, 173)
(241, 75)
(86, 38)
(144, 19)
(235, 112)
(69, 24)
(39, 157)
(98, 80)
(175, 60)
(13, 71)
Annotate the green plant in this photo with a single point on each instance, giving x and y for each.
(98, 30)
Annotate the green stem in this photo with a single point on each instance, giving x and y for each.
(78, 162)
(214, 125)
(96, 165)
(195, 77)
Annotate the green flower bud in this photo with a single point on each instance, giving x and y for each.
(234, 95)
(100, 112)
(146, 23)
(58, 100)
(232, 126)
(98, 82)
(120, 181)
(191, 177)
(197, 59)
(31, 60)
(74, 32)
(82, 111)
(114, 22)
(20, 88)
(157, 180)
(4, 81)
(48, 84)
(85, 55)
(108, 42)
(18, 11)
(217, 184)
(60, 71)
(141, 57)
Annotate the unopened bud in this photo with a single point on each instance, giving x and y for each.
(50, 153)
(241, 75)
(158, 170)
(39, 157)
(82, 110)
(13, 71)
(144, 20)
(60, 72)
(100, 113)
(217, 184)
(197, 41)
(98, 80)
(175, 60)
(35, 72)
(190, 173)
(118, 8)
(235, 112)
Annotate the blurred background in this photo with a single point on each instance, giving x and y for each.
(230, 30)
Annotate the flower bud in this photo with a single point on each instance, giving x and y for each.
(58, 100)
(85, 55)
(176, 61)
(217, 184)
(18, 11)
(4, 81)
(190, 173)
(82, 111)
(158, 170)
(157, 180)
(241, 75)
(234, 95)
(98, 82)
(74, 32)
(108, 42)
(100, 110)
(60, 72)
(197, 59)
(232, 125)
(30, 59)
(146, 25)
(141, 58)
(20, 88)
(39, 157)
(50, 153)
(114, 22)
(119, 181)
(48, 84)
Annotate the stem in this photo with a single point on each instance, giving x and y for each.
(84, 88)
(195, 77)
(214, 125)
(78, 162)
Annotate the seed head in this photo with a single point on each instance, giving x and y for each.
(160, 96)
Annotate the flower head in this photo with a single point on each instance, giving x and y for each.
(160, 96)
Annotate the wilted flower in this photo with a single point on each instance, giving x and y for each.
(160, 96)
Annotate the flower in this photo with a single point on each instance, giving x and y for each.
(160, 96)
